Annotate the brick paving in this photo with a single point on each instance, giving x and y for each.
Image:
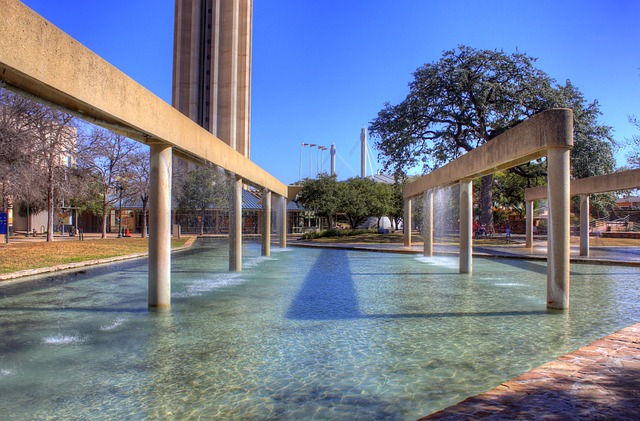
(600, 381)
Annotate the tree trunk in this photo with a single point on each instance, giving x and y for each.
(202, 222)
(144, 219)
(486, 202)
(104, 216)
(50, 207)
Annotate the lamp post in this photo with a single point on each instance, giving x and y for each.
(120, 211)
(302, 145)
(311, 145)
(321, 149)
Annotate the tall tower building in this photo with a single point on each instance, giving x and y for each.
(212, 67)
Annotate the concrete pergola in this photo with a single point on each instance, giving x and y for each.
(583, 187)
(550, 134)
(41, 61)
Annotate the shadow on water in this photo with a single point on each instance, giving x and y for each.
(541, 267)
(56, 279)
(329, 293)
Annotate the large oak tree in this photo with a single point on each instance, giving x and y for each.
(469, 97)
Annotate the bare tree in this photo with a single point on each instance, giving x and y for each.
(138, 180)
(15, 144)
(37, 144)
(205, 186)
(54, 151)
(105, 156)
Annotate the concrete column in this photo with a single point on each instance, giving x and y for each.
(428, 222)
(160, 227)
(466, 226)
(584, 225)
(529, 224)
(266, 222)
(235, 225)
(558, 195)
(282, 221)
(406, 223)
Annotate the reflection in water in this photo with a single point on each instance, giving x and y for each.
(305, 333)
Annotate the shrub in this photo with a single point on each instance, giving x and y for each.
(334, 233)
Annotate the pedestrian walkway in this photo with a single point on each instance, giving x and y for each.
(600, 381)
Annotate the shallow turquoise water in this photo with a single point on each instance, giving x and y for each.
(304, 334)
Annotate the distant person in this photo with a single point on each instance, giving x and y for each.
(535, 230)
(507, 233)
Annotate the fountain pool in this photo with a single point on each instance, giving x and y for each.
(303, 334)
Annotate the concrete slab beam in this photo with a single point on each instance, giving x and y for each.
(584, 225)
(282, 221)
(624, 180)
(266, 222)
(160, 227)
(38, 58)
(558, 238)
(235, 225)
(428, 223)
(527, 141)
(406, 223)
(466, 226)
(529, 224)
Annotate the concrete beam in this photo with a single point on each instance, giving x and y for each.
(427, 233)
(527, 141)
(266, 222)
(466, 227)
(406, 222)
(624, 180)
(235, 225)
(529, 224)
(282, 221)
(38, 58)
(160, 227)
(558, 241)
(584, 225)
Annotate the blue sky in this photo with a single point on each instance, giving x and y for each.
(322, 70)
